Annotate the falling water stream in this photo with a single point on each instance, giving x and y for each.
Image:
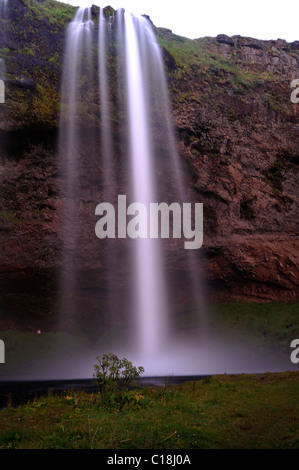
(147, 113)
(151, 304)
(106, 131)
(77, 64)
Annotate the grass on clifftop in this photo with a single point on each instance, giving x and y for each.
(245, 411)
(210, 73)
(56, 12)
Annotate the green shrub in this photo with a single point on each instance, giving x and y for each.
(112, 373)
(114, 376)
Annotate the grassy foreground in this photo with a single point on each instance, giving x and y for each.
(246, 411)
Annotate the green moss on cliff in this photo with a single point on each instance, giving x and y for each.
(46, 104)
(57, 13)
(214, 73)
(33, 57)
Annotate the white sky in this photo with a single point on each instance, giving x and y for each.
(261, 19)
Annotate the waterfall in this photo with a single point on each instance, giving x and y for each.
(149, 281)
(77, 70)
(78, 47)
(106, 133)
(108, 177)
(132, 87)
(167, 127)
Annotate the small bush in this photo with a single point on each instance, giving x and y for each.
(114, 376)
(112, 373)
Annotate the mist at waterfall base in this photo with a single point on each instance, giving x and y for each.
(131, 297)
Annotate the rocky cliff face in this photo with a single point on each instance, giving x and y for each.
(238, 138)
(239, 133)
